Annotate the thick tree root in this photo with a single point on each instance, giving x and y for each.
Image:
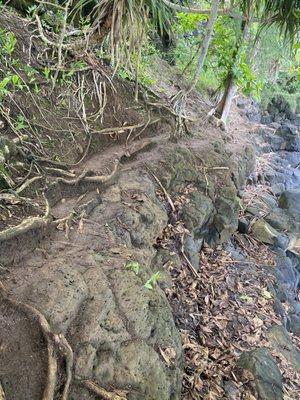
(27, 225)
(54, 342)
(2, 394)
(103, 178)
(87, 177)
(104, 394)
(69, 357)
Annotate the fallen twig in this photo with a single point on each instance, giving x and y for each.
(170, 201)
(190, 265)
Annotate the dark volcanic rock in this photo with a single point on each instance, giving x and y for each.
(290, 135)
(282, 342)
(267, 376)
(290, 201)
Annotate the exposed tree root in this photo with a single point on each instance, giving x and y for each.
(69, 357)
(49, 389)
(103, 393)
(86, 177)
(2, 394)
(27, 225)
(59, 172)
(54, 342)
(103, 178)
(74, 181)
(27, 183)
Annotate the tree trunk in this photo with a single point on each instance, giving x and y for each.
(223, 108)
(205, 44)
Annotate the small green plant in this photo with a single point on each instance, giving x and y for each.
(12, 80)
(124, 74)
(153, 279)
(31, 11)
(133, 266)
(77, 66)
(20, 122)
(8, 42)
(30, 73)
(47, 73)
(3, 86)
(266, 294)
(84, 23)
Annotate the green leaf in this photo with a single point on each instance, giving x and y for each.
(150, 282)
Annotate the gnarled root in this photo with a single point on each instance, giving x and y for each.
(87, 177)
(2, 394)
(54, 342)
(27, 225)
(103, 178)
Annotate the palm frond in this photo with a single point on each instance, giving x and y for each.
(128, 21)
(285, 14)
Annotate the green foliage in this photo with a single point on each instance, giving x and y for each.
(283, 14)
(153, 279)
(47, 73)
(9, 82)
(186, 23)
(277, 68)
(140, 66)
(130, 21)
(221, 56)
(20, 122)
(245, 79)
(7, 42)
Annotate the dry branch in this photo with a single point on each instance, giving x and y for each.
(190, 265)
(170, 201)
